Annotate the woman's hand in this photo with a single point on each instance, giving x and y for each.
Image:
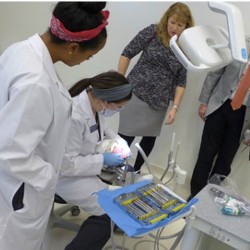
(170, 118)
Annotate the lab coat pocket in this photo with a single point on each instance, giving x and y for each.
(17, 200)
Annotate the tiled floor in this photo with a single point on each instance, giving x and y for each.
(61, 237)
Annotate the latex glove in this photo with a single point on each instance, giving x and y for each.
(112, 159)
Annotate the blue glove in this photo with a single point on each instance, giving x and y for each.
(112, 159)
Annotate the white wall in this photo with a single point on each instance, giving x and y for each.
(18, 20)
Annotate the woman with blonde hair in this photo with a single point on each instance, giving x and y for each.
(157, 78)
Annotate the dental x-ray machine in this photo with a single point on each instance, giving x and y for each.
(209, 47)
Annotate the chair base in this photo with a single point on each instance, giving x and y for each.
(56, 221)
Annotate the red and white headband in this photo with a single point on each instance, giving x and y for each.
(58, 29)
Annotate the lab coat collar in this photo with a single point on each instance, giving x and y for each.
(82, 101)
(43, 53)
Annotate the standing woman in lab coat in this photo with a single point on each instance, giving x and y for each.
(35, 111)
(84, 159)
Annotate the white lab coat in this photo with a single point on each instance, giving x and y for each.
(78, 180)
(35, 111)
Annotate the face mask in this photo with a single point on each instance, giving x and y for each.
(110, 112)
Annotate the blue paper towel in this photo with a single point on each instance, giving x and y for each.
(123, 220)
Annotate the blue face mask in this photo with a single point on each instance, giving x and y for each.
(110, 112)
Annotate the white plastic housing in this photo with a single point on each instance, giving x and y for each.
(202, 47)
(209, 47)
(235, 28)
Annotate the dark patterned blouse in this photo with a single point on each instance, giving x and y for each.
(157, 73)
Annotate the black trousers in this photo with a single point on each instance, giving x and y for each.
(93, 234)
(147, 143)
(219, 144)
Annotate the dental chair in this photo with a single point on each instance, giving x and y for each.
(57, 214)
(56, 219)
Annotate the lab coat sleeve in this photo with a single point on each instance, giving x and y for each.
(108, 133)
(76, 163)
(211, 80)
(24, 121)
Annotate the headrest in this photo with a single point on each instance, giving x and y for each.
(206, 45)
(209, 47)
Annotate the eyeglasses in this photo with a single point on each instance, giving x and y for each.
(115, 107)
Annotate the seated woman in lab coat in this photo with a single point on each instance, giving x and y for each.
(93, 99)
